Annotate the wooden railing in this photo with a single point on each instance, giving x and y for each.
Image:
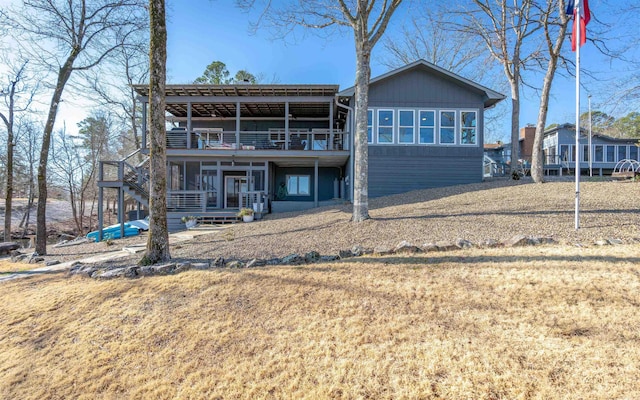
(316, 139)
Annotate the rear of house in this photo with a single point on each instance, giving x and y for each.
(290, 147)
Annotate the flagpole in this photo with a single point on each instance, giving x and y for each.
(577, 21)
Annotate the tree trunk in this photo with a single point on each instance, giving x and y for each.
(41, 216)
(9, 187)
(537, 162)
(515, 124)
(360, 142)
(158, 242)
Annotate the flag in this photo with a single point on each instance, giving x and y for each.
(579, 22)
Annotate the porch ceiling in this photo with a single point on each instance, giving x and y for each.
(220, 104)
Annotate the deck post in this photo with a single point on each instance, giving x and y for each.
(144, 125)
(315, 183)
(100, 211)
(188, 125)
(286, 125)
(121, 211)
(238, 125)
(330, 144)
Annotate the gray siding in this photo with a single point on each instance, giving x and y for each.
(420, 88)
(399, 169)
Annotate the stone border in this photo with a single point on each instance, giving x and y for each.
(404, 247)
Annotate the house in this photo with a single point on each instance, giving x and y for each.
(497, 156)
(560, 151)
(290, 147)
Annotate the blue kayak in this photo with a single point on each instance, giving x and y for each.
(113, 232)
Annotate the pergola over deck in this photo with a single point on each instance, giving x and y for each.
(189, 103)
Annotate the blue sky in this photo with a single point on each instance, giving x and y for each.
(201, 31)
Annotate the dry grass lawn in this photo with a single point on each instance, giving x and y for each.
(531, 323)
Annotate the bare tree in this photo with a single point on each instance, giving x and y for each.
(427, 37)
(503, 27)
(555, 31)
(17, 98)
(158, 241)
(368, 19)
(28, 135)
(68, 36)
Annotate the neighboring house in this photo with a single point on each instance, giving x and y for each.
(560, 150)
(496, 159)
(290, 147)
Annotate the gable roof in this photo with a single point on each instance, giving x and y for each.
(585, 133)
(491, 97)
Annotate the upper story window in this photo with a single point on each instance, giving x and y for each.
(370, 126)
(406, 122)
(427, 126)
(447, 127)
(385, 126)
(469, 131)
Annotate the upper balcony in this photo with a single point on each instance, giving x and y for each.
(239, 118)
(274, 139)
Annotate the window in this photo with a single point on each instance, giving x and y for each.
(370, 126)
(598, 155)
(611, 153)
(406, 124)
(447, 127)
(622, 152)
(585, 153)
(633, 152)
(385, 126)
(427, 126)
(567, 152)
(298, 185)
(468, 133)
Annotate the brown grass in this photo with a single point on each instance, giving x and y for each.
(528, 323)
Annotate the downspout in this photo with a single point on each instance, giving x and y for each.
(351, 135)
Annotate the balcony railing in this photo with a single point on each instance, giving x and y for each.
(212, 139)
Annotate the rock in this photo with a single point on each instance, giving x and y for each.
(382, 250)
(444, 245)
(146, 270)
(428, 247)
(181, 267)
(164, 269)
(109, 274)
(274, 261)
(35, 259)
(357, 251)
(463, 243)
(81, 269)
(255, 263)
(132, 272)
(542, 240)
(292, 259)
(329, 258)
(234, 264)
(200, 266)
(7, 247)
(51, 263)
(218, 262)
(19, 257)
(342, 254)
(615, 242)
(406, 247)
(489, 243)
(312, 256)
(516, 241)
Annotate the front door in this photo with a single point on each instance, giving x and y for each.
(209, 185)
(233, 186)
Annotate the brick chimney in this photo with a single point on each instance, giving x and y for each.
(527, 134)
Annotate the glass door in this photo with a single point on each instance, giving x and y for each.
(233, 186)
(210, 187)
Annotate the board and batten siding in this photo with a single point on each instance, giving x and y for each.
(398, 169)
